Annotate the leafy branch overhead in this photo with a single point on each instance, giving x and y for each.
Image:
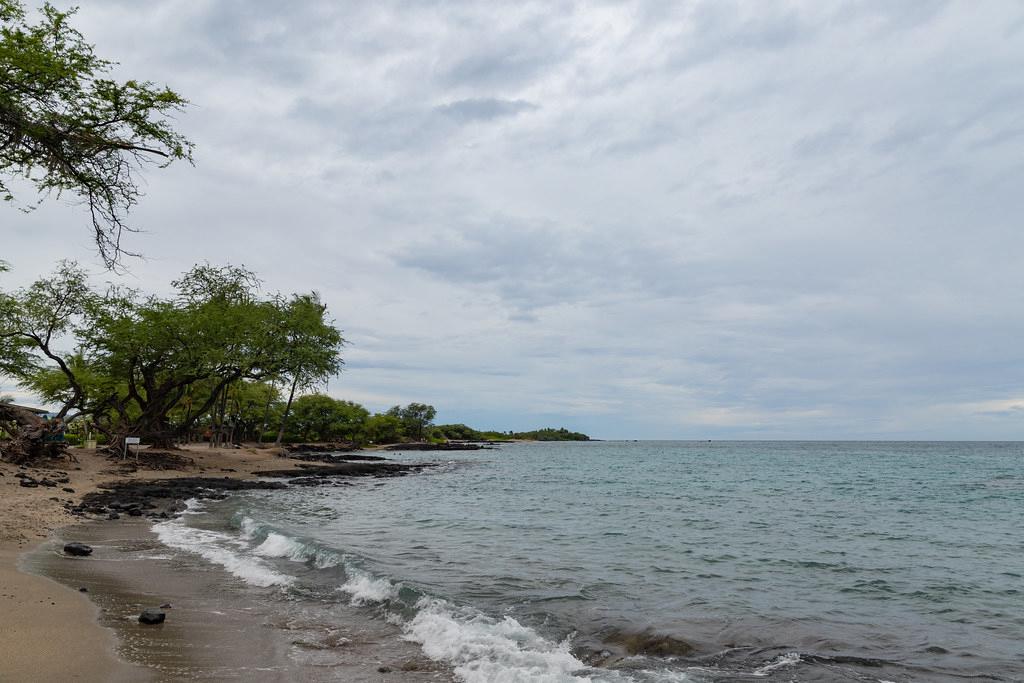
(65, 127)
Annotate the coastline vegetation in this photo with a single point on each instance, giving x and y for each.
(155, 367)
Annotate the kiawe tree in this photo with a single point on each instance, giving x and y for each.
(305, 347)
(130, 362)
(65, 127)
(32, 323)
(321, 418)
(415, 418)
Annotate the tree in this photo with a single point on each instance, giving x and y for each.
(155, 367)
(30, 324)
(310, 349)
(383, 428)
(415, 419)
(66, 128)
(317, 417)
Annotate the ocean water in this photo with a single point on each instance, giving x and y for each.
(660, 561)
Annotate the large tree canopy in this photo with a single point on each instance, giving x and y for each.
(131, 363)
(66, 128)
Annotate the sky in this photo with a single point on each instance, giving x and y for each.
(706, 220)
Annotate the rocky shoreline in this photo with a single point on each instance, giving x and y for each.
(45, 505)
(165, 498)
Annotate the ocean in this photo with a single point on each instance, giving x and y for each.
(656, 561)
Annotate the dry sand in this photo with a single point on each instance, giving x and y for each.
(49, 632)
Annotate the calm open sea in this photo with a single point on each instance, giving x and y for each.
(609, 561)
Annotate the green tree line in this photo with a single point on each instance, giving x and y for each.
(160, 367)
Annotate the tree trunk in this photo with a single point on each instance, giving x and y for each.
(266, 413)
(287, 409)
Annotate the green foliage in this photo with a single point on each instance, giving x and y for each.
(316, 417)
(415, 418)
(457, 432)
(310, 349)
(463, 433)
(156, 367)
(33, 319)
(551, 434)
(383, 429)
(65, 127)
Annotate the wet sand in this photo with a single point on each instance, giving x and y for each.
(52, 632)
(217, 627)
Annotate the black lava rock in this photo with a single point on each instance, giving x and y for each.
(152, 616)
(77, 549)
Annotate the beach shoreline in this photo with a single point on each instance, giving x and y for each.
(50, 630)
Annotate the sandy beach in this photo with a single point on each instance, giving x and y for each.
(49, 631)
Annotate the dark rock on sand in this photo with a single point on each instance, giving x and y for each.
(346, 469)
(77, 549)
(162, 498)
(436, 447)
(152, 616)
(334, 447)
(336, 457)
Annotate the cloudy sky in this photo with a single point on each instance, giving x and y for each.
(641, 220)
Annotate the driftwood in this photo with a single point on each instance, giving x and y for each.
(30, 433)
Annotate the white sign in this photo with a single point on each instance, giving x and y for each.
(132, 440)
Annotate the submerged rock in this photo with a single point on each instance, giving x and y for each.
(77, 549)
(152, 616)
(649, 643)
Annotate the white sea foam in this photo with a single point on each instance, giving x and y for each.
(226, 551)
(276, 544)
(366, 590)
(250, 528)
(486, 650)
(788, 659)
(279, 545)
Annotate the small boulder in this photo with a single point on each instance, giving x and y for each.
(77, 549)
(152, 616)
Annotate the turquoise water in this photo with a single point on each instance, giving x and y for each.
(773, 560)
